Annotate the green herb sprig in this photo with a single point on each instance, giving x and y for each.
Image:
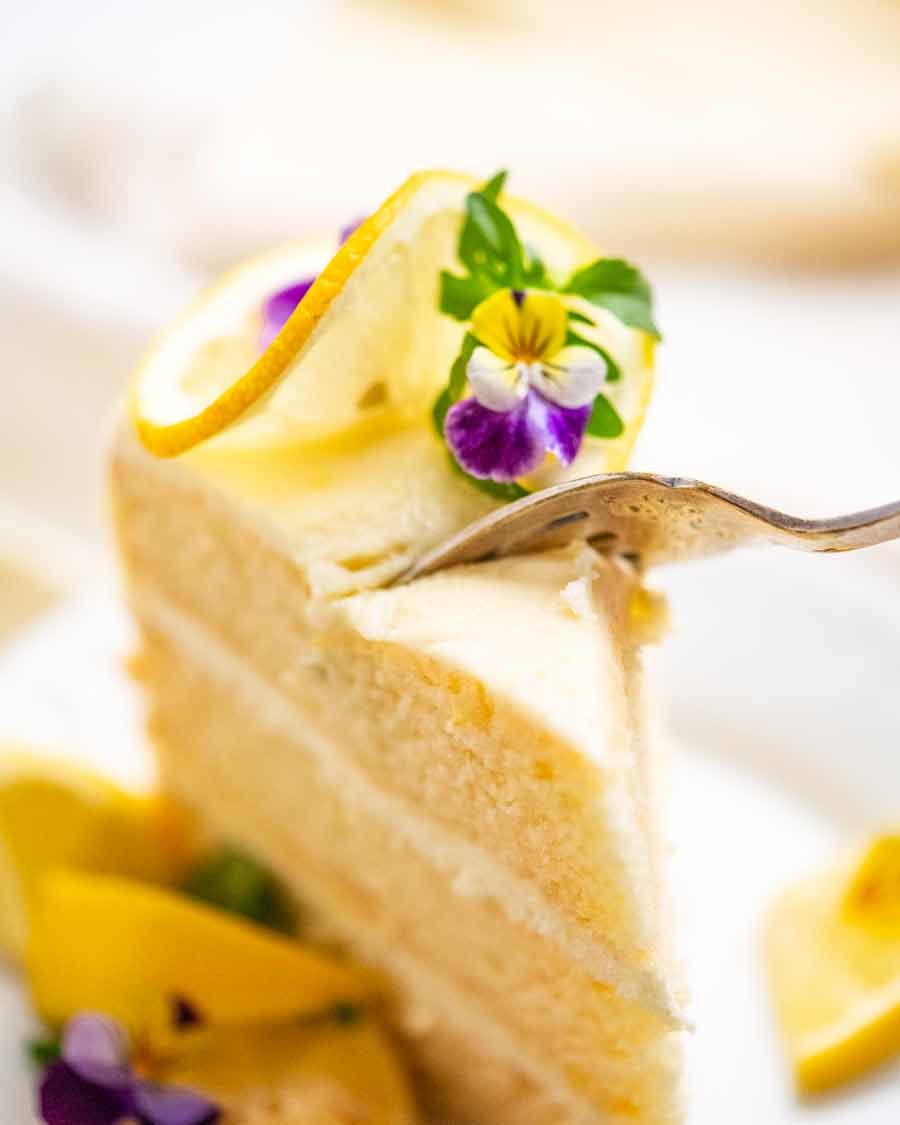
(235, 882)
(494, 257)
(44, 1050)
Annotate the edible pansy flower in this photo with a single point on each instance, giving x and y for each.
(277, 308)
(531, 393)
(93, 1083)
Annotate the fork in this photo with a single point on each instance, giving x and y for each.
(652, 520)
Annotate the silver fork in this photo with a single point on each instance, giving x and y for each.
(653, 520)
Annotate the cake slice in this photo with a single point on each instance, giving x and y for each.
(454, 777)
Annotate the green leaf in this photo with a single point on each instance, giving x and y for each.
(458, 376)
(493, 488)
(535, 273)
(495, 185)
(604, 421)
(442, 404)
(490, 249)
(461, 295)
(617, 286)
(456, 384)
(613, 371)
(233, 881)
(489, 244)
(43, 1050)
(498, 490)
(576, 317)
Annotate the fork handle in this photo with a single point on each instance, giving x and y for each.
(849, 532)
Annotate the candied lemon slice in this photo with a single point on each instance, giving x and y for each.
(319, 1074)
(834, 967)
(367, 342)
(119, 946)
(53, 814)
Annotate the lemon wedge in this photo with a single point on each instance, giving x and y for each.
(834, 966)
(108, 944)
(366, 345)
(53, 814)
(318, 1074)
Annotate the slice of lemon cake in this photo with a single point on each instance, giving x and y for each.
(452, 775)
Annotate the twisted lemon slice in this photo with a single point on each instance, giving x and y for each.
(833, 952)
(366, 343)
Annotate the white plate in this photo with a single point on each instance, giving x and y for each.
(780, 684)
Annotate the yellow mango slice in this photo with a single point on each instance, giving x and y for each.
(55, 814)
(318, 1074)
(121, 947)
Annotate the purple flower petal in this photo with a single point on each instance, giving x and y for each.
(171, 1105)
(65, 1098)
(507, 445)
(96, 1049)
(277, 309)
(561, 427)
(493, 444)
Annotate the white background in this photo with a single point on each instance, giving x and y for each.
(744, 153)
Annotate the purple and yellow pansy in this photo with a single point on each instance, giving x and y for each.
(93, 1082)
(530, 378)
(531, 392)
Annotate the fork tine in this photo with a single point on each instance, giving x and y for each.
(654, 518)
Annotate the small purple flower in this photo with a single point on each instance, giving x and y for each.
(93, 1084)
(532, 394)
(277, 308)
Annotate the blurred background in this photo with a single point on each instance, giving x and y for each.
(747, 155)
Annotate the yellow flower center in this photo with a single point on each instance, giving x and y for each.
(521, 326)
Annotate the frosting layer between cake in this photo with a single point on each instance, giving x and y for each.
(493, 721)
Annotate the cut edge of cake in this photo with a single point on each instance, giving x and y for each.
(505, 825)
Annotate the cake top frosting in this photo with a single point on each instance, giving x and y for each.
(451, 352)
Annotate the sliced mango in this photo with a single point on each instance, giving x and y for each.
(55, 814)
(121, 947)
(318, 1074)
(833, 956)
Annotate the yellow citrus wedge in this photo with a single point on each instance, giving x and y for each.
(122, 947)
(835, 974)
(53, 814)
(318, 1074)
(367, 342)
